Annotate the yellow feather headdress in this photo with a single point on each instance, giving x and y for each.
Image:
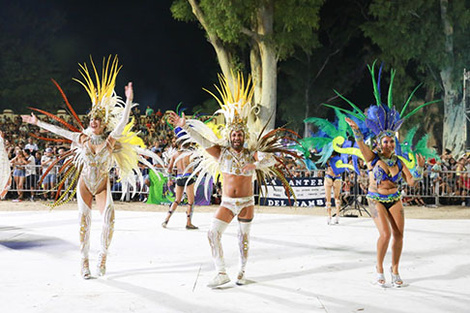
(101, 90)
(235, 106)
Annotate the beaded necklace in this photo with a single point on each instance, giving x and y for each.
(392, 161)
(96, 139)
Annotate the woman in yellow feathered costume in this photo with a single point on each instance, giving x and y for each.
(107, 142)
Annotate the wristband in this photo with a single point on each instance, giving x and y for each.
(418, 173)
(357, 134)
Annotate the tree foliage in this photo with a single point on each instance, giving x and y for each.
(426, 41)
(308, 79)
(410, 36)
(233, 22)
(253, 35)
(28, 56)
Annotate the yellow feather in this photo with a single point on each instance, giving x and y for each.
(338, 141)
(409, 164)
(340, 164)
(105, 86)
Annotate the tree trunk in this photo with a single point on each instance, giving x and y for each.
(454, 134)
(256, 75)
(455, 129)
(267, 85)
(263, 58)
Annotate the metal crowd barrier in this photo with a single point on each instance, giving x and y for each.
(440, 186)
(443, 187)
(31, 185)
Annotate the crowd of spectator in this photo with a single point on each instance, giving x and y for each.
(30, 157)
(447, 176)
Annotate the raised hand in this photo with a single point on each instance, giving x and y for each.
(351, 123)
(31, 119)
(129, 91)
(176, 120)
(421, 160)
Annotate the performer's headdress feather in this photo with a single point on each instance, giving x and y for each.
(382, 119)
(103, 98)
(235, 105)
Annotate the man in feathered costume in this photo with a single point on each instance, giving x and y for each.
(238, 155)
(386, 169)
(107, 142)
(178, 163)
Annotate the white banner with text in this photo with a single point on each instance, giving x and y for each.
(309, 192)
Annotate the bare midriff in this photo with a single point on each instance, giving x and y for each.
(237, 186)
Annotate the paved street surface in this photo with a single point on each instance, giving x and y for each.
(297, 264)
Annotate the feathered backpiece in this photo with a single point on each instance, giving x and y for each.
(382, 119)
(235, 105)
(106, 105)
(237, 109)
(324, 142)
(407, 147)
(130, 149)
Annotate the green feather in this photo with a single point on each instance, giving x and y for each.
(357, 110)
(361, 117)
(422, 148)
(408, 100)
(374, 82)
(314, 142)
(324, 125)
(410, 134)
(390, 96)
(408, 140)
(343, 126)
(418, 108)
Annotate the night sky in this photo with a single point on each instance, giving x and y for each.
(167, 60)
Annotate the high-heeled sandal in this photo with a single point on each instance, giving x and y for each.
(85, 269)
(397, 282)
(380, 279)
(101, 267)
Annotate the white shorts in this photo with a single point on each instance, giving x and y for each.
(237, 204)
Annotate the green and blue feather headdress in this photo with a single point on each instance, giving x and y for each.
(382, 119)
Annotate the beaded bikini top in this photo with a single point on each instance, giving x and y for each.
(380, 174)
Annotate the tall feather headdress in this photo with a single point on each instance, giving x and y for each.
(106, 105)
(235, 105)
(382, 119)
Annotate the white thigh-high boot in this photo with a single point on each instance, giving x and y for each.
(107, 231)
(215, 235)
(244, 244)
(328, 209)
(84, 218)
(338, 208)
